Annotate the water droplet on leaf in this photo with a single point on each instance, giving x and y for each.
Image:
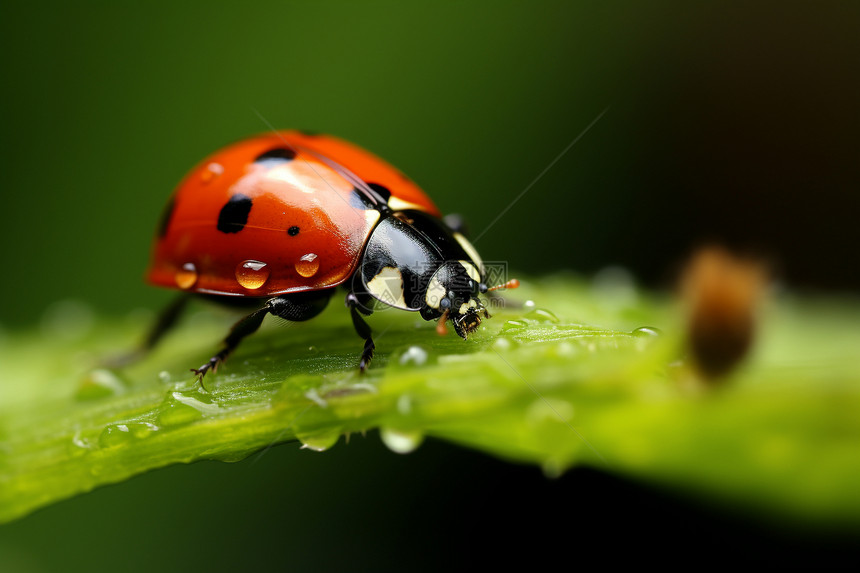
(401, 441)
(79, 445)
(513, 325)
(184, 407)
(414, 355)
(118, 434)
(114, 435)
(552, 469)
(541, 315)
(99, 383)
(647, 332)
(318, 441)
(404, 404)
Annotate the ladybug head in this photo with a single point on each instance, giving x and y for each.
(453, 294)
(416, 263)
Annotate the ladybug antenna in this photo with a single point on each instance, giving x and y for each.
(513, 283)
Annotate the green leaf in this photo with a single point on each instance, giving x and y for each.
(566, 380)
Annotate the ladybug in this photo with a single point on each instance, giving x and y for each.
(277, 223)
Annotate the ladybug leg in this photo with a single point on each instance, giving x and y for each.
(245, 327)
(166, 320)
(362, 329)
(294, 308)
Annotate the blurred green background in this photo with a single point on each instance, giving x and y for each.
(726, 121)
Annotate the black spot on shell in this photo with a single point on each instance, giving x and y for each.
(293, 231)
(234, 214)
(276, 156)
(166, 215)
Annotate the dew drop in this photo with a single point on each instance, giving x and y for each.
(252, 274)
(79, 445)
(542, 315)
(186, 277)
(646, 332)
(529, 305)
(513, 325)
(401, 441)
(315, 397)
(175, 413)
(142, 429)
(646, 336)
(119, 434)
(552, 469)
(99, 383)
(212, 171)
(114, 435)
(308, 265)
(565, 348)
(80, 442)
(404, 404)
(502, 343)
(318, 441)
(185, 407)
(414, 355)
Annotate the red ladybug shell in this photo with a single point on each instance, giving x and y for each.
(274, 214)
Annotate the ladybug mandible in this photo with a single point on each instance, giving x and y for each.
(280, 221)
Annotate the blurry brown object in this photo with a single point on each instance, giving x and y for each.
(721, 292)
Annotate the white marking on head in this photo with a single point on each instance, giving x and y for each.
(464, 308)
(387, 286)
(401, 205)
(435, 292)
(371, 216)
(471, 271)
(470, 250)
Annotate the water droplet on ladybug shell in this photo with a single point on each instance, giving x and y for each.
(252, 274)
(211, 171)
(186, 277)
(308, 265)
